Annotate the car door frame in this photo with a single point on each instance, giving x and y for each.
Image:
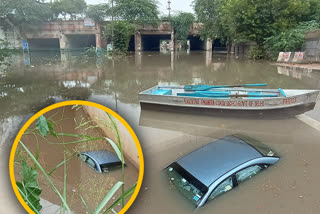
(232, 172)
(98, 168)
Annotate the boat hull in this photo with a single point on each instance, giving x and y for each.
(226, 113)
(298, 102)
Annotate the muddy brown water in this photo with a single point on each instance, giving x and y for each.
(290, 186)
(82, 181)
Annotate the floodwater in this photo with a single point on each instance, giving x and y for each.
(290, 186)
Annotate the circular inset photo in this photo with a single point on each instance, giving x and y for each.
(76, 157)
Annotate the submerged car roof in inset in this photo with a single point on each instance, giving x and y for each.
(101, 161)
(211, 161)
(103, 156)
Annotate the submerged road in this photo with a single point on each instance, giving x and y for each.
(312, 118)
(288, 187)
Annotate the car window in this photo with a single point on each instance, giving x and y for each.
(225, 186)
(189, 187)
(247, 173)
(91, 163)
(83, 157)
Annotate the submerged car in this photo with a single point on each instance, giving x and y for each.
(218, 167)
(101, 161)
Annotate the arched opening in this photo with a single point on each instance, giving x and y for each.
(152, 42)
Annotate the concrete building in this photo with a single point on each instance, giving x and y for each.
(63, 35)
(311, 47)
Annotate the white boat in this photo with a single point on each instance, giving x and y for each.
(231, 99)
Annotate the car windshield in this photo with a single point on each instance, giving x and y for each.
(188, 185)
(262, 148)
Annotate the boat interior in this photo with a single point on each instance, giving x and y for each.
(239, 92)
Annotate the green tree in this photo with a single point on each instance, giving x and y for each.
(253, 20)
(290, 40)
(256, 20)
(122, 33)
(24, 15)
(181, 24)
(69, 7)
(209, 12)
(98, 12)
(137, 11)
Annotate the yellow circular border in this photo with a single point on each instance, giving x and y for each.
(66, 103)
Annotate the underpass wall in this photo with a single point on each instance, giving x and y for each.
(128, 144)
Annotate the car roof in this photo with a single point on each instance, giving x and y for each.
(215, 159)
(103, 156)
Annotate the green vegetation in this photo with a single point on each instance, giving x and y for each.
(29, 186)
(258, 21)
(137, 11)
(121, 37)
(6, 56)
(181, 24)
(128, 15)
(98, 12)
(290, 40)
(209, 12)
(68, 7)
(275, 25)
(24, 15)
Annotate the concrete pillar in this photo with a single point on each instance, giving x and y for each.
(63, 56)
(173, 42)
(63, 40)
(98, 36)
(208, 44)
(241, 50)
(236, 47)
(232, 51)
(172, 60)
(138, 59)
(137, 42)
(208, 58)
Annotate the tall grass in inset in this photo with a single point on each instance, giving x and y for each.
(46, 176)
(108, 197)
(122, 157)
(64, 181)
(48, 128)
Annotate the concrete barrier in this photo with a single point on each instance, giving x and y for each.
(298, 57)
(294, 57)
(129, 147)
(280, 57)
(286, 56)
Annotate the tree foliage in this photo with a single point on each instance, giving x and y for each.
(29, 187)
(255, 20)
(209, 12)
(122, 33)
(24, 14)
(69, 7)
(98, 12)
(181, 24)
(290, 40)
(137, 11)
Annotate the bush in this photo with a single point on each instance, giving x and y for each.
(290, 40)
(122, 33)
(257, 53)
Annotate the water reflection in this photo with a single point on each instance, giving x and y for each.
(53, 77)
(59, 76)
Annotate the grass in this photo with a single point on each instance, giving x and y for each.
(46, 176)
(43, 129)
